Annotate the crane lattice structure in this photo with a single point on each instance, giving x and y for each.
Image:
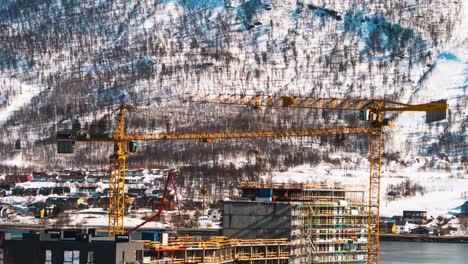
(371, 110)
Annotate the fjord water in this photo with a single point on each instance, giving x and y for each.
(423, 252)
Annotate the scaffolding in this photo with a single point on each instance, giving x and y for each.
(328, 220)
(218, 250)
(329, 225)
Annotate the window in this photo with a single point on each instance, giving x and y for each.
(139, 255)
(71, 257)
(48, 256)
(90, 259)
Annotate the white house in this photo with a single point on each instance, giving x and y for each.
(402, 227)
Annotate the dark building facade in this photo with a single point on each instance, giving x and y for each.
(38, 248)
(256, 219)
(324, 222)
(415, 217)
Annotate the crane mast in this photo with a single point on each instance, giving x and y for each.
(117, 168)
(373, 218)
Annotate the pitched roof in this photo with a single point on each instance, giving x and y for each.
(400, 222)
(421, 228)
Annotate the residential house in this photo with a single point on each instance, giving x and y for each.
(5, 211)
(31, 192)
(18, 191)
(6, 186)
(88, 192)
(133, 180)
(388, 227)
(137, 192)
(156, 172)
(13, 178)
(402, 227)
(43, 176)
(71, 176)
(158, 193)
(40, 209)
(60, 190)
(45, 191)
(426, 230)
(421, 230)
(96, 176)
(134, 173)
(134, 176)
(55, 200)
(464, 210)
(214, 215)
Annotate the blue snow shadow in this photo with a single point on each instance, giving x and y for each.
(447, 56)
(384, 37)
(244, 12)
(197, 4)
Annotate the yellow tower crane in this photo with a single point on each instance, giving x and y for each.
(371, 110)
(126, 143)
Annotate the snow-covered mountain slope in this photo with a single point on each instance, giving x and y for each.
(64, 60)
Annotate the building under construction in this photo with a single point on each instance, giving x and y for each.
(217, 250)
(281, 223)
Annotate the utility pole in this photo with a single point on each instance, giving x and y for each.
(203, 192)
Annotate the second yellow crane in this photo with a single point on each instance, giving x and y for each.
(370, 110)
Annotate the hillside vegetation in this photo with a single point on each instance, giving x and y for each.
(71, 62)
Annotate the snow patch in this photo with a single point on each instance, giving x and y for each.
(27, 92)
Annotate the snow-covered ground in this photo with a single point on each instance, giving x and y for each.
(25, 93)
(98, 218)
(443, 188)
(93, 217)
(17, 160)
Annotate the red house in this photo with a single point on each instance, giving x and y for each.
(18, 178)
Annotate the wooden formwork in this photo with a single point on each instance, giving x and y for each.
(220, 250)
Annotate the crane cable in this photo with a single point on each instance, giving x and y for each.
(170, 175)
